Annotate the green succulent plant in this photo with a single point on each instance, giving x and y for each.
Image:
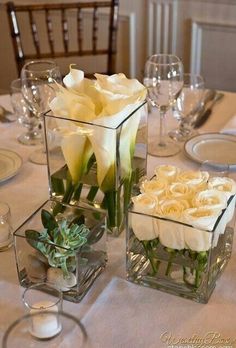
(59, 241)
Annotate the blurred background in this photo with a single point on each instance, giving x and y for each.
(201, 32)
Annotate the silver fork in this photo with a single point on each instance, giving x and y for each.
(6, 115)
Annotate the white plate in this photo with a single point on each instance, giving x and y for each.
(10, 163)
(217, 147)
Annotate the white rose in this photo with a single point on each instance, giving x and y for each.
(167, 172)
(196, 179)
(225, 219)
(171, 233)
(223, 184)
(179, 190)
(202, 217)
(156, 187)
(171, 209)
(143, 225)
(210, 199)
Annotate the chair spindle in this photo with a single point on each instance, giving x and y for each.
(95, 29)
(49, 31)
(34, 32)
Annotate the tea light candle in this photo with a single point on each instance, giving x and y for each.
(4, 235)
(45, 325)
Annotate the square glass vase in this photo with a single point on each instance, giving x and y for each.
(71, 253)
(190, 272)
(99, 162)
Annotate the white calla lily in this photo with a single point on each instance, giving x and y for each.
(70, 105)
(74, 80)
(104, 142)
(117, 91)
(77, 151)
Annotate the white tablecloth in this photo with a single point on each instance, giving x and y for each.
(115, 312)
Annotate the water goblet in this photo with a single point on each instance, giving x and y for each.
(164, 80)
(187, 105)
(25, 117)
(39, 80)
(5, 227)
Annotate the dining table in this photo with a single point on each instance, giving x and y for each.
(115, 312)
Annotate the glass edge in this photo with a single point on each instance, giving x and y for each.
(94, 124)
(130, 207)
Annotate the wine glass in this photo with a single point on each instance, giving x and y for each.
(25, 117)
(38, 87)
(187, 105)
(164, 81)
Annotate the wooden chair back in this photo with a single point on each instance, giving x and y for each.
(53, 32)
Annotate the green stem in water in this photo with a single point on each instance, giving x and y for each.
(77, 191)
(202, 261)
(154, 265)
(66, 198)
(128, 184)
(57, 185)
(92, 193)
(172, 253)
(112, 199)
(104, 203)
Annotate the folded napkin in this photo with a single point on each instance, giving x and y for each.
(230, 126)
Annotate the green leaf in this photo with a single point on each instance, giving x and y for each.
(48, 221)
(32, 238)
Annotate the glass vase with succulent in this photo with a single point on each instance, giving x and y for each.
(67, 249)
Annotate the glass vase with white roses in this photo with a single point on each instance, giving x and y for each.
(180, 231)
(97, 146)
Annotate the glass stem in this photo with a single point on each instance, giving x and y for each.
(162, 129)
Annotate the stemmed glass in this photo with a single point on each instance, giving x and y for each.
(38, 87)
(187, 106)
(164, 81)
(32, 136)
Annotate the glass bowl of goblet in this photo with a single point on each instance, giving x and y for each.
(188, 104)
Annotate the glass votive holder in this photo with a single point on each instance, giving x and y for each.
(43, 298)
(215, 168)
(72, 334)
(5, 227)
